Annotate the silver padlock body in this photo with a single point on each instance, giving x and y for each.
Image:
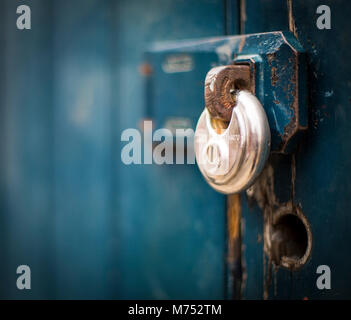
(231, 161)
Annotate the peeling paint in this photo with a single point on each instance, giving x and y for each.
(234, 245)
(292, 25)
(274, 76)
(263, 193)
(243, 16)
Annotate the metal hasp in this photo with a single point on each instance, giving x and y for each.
(280, 85)
(278, 78)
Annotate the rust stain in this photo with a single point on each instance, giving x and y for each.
(292, 25)
(270, 58)
(145, 69)
(274, 76)
(293, 126)
(221, 84)
(233, 218)
(243, 16)
(291, 91)
(242, 43)
(234, 243)
(263, 192)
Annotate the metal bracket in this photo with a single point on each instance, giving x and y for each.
(278, 70)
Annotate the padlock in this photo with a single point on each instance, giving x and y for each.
(231, 160)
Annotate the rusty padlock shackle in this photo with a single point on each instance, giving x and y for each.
(221, 85)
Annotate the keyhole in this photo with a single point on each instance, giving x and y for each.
(213, 154)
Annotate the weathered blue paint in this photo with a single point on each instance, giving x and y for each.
(322, 160)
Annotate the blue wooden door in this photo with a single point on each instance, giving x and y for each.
(90, 226)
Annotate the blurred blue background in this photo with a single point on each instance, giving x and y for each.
(87, 225)
(91, 227)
